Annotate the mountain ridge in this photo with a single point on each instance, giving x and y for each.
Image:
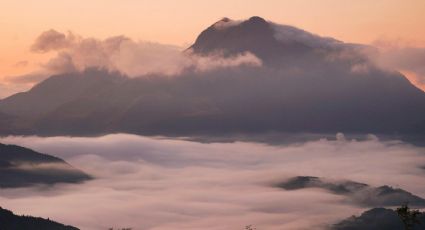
(10, 221)
(23, 167)
(312, 84)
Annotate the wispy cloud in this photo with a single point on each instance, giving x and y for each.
(402, 56)
(133, 58)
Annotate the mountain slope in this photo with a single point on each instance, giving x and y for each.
(377, 218)
(21, 167)
(55, 91)
(10, 221)
(306, 83)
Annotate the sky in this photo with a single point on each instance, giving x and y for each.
(179, 22)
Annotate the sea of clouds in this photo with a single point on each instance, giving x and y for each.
(159, 183)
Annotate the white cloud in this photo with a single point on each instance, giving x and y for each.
(119, 53)
(155, 183)
(133, 58)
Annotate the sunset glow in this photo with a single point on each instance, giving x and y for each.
(179, 22)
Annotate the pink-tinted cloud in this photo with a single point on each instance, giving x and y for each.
(155, 183)
(133, 58)
(404, 57)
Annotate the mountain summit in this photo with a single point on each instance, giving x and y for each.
(255, 35)
(265, 39)
(306, 83)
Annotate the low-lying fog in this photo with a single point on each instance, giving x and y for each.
(155, 183)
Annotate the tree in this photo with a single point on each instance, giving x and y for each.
(408, 217)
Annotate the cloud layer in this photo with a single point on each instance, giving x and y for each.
(155, 183)
(74, 53)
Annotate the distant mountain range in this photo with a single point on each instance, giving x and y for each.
(10, 221)
(20, 167)
(306, 83)
(357, 193)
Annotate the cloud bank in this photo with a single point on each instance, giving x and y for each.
(132, 58)
(74, 53)
(156, 183)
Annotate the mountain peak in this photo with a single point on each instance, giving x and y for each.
(268, 41)
(227, 23)
(225, 19)
(257, 24)
(233, 36)
(257, 20)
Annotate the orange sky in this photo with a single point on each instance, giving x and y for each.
(180, 21)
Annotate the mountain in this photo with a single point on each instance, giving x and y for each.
(377, 218)
(261, 38)
(355, 192)
(10, 221)
(306, 83)
(56, 91)
(21, 167)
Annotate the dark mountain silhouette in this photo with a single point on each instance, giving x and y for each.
(376, 218)
(10, 221)
(359, 193)
(306, 83)
(54, 92)
(258, 36)
(21, 167)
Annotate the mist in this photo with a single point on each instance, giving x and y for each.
(159, 183)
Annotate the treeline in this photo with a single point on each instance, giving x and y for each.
(10, 221)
